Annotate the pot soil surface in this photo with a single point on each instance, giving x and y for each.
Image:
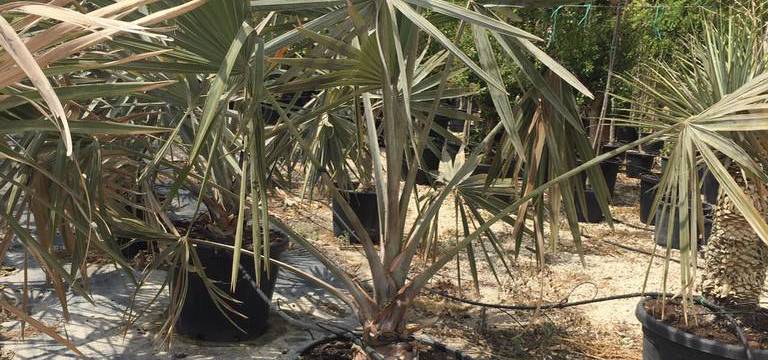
(342, 349)
(704, 322)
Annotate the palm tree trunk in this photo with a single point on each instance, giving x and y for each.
(736, 259)
(386, 333)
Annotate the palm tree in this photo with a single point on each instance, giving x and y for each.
(64, 158)
(367, 52)
(736, 259)
(373, 47)
(710, 107)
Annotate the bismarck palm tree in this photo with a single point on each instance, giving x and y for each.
(57, 159)
(384, 43)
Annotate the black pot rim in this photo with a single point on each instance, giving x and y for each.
(277, 245)
(692, 341)
(651, 177)
(424, 340)
(348, 191)
(638, 153)
(613, 145)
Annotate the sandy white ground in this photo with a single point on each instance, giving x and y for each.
(600, 331)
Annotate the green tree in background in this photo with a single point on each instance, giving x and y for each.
(579, 36)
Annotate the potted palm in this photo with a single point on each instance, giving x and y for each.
(390, 38)
(336, 139)
(216, 157)
(65, 165)
(711, 106)
(217, 295)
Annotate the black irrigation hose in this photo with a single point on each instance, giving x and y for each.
(637, 250)
(559, 305)
(565, 303)
(630, 225)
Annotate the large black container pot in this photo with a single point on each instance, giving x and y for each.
(440, 121)
(610, 147)
(653, 147)
(648, 184)
(367, 210)
(301, 98)
(452, 149)
(456, 125)
(638, 164)
(662, 226)
(486, 169)
(482, 169)
(129, 248)
(593, 213)
(200, 319)
(429, 164)
(430, 161)
(626, 134)
(610, 172)
(664, 163)
(710, 188)
(664, 342)
(271, 116)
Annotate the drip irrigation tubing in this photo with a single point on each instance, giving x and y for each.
(544, 306)
(565, 303)
(630, 225)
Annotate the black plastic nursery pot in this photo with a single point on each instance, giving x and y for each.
(610, 147)
(452, 149)
(648, 184)
(200, 319)
(626, 134)
(653, 147)
(664, 161)
(456, 125)
(481, 169)
(364, 204)
(430, 163)
(610, 170)
(638, 164)
(338, 343)
(441, 122)
(486, 169)
(301, 98)
(710, 188)
(271, 116)
(662, 227)
(665, 342)
(129, 248)
(593, 213)
(610, 173)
